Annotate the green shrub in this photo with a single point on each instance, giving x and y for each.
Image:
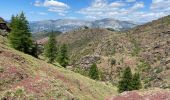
(129, 82)
(125, 82)
(158, 69)
(113, 61)
(94, 72)
(82, 71)
(136, 82)
(143, 66)
(136, 47)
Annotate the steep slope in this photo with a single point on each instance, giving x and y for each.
(84, 42)
(145, 48)
(25, 77)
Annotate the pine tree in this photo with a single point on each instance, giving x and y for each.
(20, 37)
(94, 72)
(63, 56)
(125, 84)
(136, 82)
(34, 50)
(51, 48)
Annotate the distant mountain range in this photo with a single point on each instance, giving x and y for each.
(65, 25)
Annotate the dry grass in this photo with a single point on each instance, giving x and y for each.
(25, 77)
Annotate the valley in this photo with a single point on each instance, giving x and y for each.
(143, 47)
(95, 50)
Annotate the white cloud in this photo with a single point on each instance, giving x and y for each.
(138, 5)
(117, 4)
(131, 10)
(38, 3)
(53, 3)
(101, 8)
(130, 0)
(160, 8)
(160, 4)
(53, 6)
(117, 9)
(61, 14)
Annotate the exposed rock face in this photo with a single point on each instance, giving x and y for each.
(4, 29)
(3, 32)
(87, 61)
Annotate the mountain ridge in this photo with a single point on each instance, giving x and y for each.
(145, 47)
(65, 25)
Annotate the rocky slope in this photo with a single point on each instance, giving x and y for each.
(24, 77)
(145, 48)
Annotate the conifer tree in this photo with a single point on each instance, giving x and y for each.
(136, 82)
(129, 82)
(51, 48)
(63, 56)
(20, 37)
(125, 83)
(34, 51)
(94, 72)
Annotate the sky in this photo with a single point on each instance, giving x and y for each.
(127, 10)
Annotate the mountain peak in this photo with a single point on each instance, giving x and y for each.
(65, 25)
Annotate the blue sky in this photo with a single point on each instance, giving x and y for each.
(130, 10)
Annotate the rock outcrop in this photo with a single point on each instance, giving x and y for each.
(4, 29)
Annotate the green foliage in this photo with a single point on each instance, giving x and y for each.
(86, 27)
(136, 47)
(128, 81)
(63, 56)
(51, 48)
(125, 82)
(20, 37)
(158, 69)
(82, 71)
(94, 72)
(136, 82)
(113, 61)
(34, 50)
(110, 29)
(143, 66)
(102, 75)
(85, 72)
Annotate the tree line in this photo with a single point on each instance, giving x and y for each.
(20, 38)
